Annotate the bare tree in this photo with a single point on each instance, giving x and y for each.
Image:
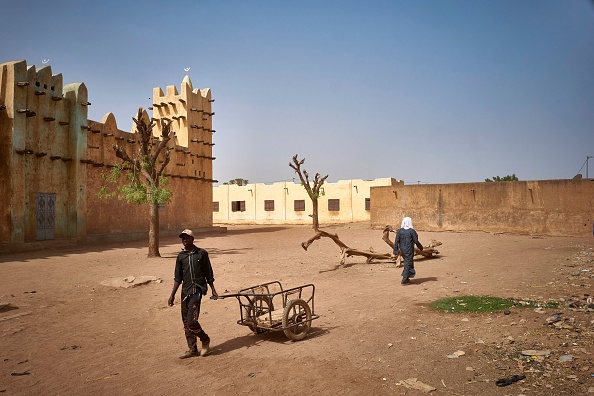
(145, 183)
(312, 191)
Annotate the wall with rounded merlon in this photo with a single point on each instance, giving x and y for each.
(52, 158)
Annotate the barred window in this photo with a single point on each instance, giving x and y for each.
(367, 203)
(238, 206)
(215, 206)
(299, 205)
(269, 205)
(334, 205)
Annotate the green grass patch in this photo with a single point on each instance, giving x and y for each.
(481, 304)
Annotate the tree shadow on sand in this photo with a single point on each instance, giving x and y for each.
(391, 263)
(254, 230)
(212, 252)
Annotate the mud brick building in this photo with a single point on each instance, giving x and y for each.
(52, 157)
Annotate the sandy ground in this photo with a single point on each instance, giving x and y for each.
(63, 331)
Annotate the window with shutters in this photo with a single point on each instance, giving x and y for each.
(238, 206)
(334, 205)
(299, 205)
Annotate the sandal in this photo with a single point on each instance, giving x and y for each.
(509, 381)
(517, 377)
(504, 382)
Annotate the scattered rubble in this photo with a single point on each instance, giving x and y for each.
(413, 383)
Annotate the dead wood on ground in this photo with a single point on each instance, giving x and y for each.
(428, 251)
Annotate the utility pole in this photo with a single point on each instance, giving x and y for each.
(587, 158)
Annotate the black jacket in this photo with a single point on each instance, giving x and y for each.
(405, 242)
(193, 271)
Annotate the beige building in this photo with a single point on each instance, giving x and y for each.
(346, 201)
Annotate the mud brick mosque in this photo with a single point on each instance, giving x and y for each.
(52, 157)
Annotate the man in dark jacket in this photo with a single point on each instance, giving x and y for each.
(193, 271)
(406, 239)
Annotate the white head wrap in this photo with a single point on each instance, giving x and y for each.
(406, 223)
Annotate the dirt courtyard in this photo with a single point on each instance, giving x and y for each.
(64, 330)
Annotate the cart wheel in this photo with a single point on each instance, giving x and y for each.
(260, 305)
(296, 319)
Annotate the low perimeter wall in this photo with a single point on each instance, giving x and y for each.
(544, 207)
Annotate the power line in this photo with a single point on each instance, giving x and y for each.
(586, 165)
(418, 182)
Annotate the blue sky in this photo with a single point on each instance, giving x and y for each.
(430, 91)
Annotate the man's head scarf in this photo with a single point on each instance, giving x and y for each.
(406, 223)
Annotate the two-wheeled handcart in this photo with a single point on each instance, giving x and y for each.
(269, 307)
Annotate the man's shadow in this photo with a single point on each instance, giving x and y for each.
(252, 339)
(418, 281)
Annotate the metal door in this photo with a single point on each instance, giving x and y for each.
(45, 216)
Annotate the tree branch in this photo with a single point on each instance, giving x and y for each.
(296, 165)
(345, 251)
(166, 136)
(145, 131)
(122, 154)
(165, 162)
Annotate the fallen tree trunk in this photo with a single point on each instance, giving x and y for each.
(320, 234)
(428, 251)
(346, 251)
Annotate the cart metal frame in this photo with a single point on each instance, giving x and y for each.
(257, 308)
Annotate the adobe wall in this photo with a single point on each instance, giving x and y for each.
(40, 129)
(544, 207)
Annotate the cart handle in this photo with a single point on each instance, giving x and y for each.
(222, 297)
(219, 297)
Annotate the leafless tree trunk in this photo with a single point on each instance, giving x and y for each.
(314, 215)
(154, 230)
(312, 191)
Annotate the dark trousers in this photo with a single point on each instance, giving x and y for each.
(409, 269)
(190, 312)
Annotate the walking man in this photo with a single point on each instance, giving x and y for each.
(193, 272)
(406, 239)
